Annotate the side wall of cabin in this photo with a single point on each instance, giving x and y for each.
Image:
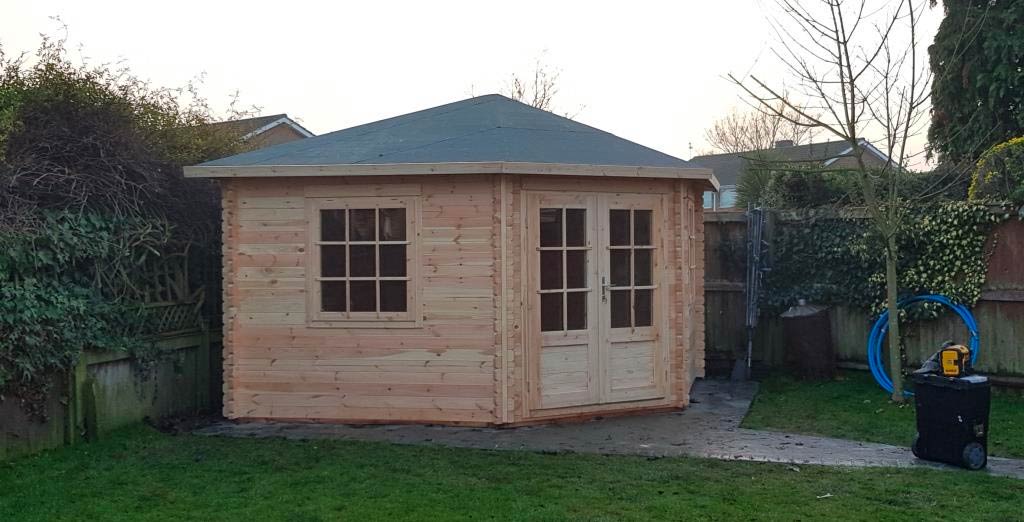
(279, 366)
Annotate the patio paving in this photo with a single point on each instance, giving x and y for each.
(709, 428)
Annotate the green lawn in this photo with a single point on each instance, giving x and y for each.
(140, 474)
(853, 407)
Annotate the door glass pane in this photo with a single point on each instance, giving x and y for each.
(620, 308)
(332, 296)
(392, 224)
(576, 269)
(550, 227)
(551, 312)
(550, 269)
(332, 260)
(392, 260)
(361, 224)
(642, 267)
(332, 225)
(642, 307)
(620, 267)
(363, 260)
(392, 296)
(575, 227)
(641, 227)
(364, 296)
(576, 310)
(618, 227)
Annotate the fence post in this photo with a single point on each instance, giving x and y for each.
(76, 400)
(203, 370)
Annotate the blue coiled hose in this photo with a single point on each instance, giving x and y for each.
(881, 328)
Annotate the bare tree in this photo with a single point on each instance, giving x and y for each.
(539, 89)
(857, 66)
(757, 130)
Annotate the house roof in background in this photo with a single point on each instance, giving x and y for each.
(490, 132)
(729, 167)
(249, 127)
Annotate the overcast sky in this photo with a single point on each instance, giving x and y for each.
(651, 72)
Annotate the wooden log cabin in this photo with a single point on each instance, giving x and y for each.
(478, 263)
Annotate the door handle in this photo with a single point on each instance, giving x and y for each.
(604, 290)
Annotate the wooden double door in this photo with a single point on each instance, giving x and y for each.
(597, 298)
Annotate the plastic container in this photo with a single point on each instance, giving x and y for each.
(952, 419)
(808, 333)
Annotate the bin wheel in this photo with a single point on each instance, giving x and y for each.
(914, 445)
(974, 456)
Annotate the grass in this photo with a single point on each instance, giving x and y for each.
(853, 407)
(141, 474)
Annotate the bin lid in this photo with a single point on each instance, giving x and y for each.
(959, 383)
(803, 310)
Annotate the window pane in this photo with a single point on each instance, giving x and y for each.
(641, 227)
(550, 269)
(551, 312)
(332, 260)
(392, 260)
(727, 198)
(363, 261)
(392, 296)
(620, 308)
(575, 227)
(620, 267)
(392, 224)
(576, 269)
(642, 267)
(361, 224)
(709, 199)
(550, 227)
(618, 224)
(332, 296)
(576, 310)
(642, 307)
(332, 225)
(364, 296)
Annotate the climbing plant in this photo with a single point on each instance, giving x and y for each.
(93, 203)
(999, 173)
(829, 259)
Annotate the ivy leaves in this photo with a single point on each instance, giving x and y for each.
(830, 260)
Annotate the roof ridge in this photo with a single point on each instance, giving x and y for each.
(771, 149)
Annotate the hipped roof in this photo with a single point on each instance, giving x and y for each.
(485, 134)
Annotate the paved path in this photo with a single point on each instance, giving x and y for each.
(708, 428)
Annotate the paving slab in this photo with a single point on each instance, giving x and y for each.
(708, 428)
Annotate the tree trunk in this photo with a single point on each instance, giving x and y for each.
(892, 301)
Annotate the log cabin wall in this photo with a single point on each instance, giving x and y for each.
(466, 360)
(442, 369)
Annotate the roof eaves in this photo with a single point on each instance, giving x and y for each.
(284, 120)
(497, 167)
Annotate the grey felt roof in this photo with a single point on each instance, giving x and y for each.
(489, 128)
(729, 167)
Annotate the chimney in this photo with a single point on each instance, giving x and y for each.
(781, 144)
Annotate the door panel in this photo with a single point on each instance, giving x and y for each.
(563, 282)
(594, 298)
(632, 249)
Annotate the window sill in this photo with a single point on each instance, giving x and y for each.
(398, 323)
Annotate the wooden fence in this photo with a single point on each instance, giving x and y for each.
(1000, 312)
(106, 390)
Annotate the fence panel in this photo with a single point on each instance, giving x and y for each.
(999, 312)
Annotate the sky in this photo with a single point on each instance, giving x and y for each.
(649, 71)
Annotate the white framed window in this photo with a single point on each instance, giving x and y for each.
(725, 198)
(363, 269)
